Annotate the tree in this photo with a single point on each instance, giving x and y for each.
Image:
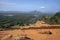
(55, 19)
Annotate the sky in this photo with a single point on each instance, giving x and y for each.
(30, 5)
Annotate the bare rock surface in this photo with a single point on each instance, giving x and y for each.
(16, 37)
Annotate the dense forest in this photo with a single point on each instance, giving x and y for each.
(8, 20)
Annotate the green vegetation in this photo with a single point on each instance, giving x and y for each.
(20, 19)
(55, 19)
(9, 20)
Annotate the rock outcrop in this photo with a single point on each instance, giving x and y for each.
(16, 37)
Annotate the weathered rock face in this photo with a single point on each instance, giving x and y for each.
(8, 37)
(16, 37)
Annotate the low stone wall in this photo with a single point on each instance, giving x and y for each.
(44, 27)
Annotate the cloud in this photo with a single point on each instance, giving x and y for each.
(42, 7)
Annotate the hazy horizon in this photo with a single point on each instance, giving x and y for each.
(30, 5)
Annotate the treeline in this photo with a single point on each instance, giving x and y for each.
(55, 19)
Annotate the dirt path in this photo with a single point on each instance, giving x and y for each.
(34, 34)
